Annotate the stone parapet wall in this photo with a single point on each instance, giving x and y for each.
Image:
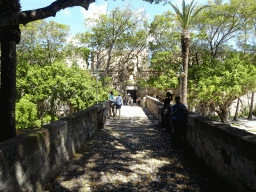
(30, 160)
(152, 104)
(229, 151)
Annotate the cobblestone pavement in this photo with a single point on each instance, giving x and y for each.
(132, 154)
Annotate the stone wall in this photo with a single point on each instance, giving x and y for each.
(229, 151)
(152, 104)
(31, 160)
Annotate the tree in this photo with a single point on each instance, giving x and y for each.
(251, 107)
(164, 34)
(42, 43)
(10, 19)
(185, 17)
(217, 83)
(52, 86)
(163, 72)
(116, 40)
(16, 17)
(223, 22)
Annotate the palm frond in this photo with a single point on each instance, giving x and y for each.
(179, 14)
(186, 16)
(189, 12)
(197, 11)
(183, 7)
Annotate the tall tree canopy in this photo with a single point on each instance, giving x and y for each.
(115, 40)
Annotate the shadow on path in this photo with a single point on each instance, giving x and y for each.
(131, 154)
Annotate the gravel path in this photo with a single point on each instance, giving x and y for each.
(132, 154)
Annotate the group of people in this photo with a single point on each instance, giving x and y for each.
(115, 104)
(128, 100)
(174, 117)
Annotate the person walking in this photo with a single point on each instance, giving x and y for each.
(118, 102)
(178, 112)
(112, 104)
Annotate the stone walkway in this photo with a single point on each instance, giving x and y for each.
(132, 154)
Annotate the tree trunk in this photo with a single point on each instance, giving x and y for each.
(185, 38)
(224, 116)
(25, 17)
(237, 109)
(9, 37)
(251, 108)
(8, 89)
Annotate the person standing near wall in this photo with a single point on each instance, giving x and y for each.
(118, 103)
(112, 104)
(178, 113)
(166, 119)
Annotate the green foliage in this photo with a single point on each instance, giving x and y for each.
(57, 84)
(186, 15)
(164, 70)
(26, 113)
(217, 83)
(41, 43)
(222, 23)
(44, 82)
(165, 33)
(115, 40)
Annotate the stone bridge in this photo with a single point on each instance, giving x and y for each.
(91, 151)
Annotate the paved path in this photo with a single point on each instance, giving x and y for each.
(132, 154)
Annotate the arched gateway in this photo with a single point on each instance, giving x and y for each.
(131, 91)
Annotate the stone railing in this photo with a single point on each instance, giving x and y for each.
(229, 151)
(30, 160)
(153, 105)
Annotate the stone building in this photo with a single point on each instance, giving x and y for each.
(125, 70)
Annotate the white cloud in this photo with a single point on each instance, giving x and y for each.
(93, 10)
(66, 12)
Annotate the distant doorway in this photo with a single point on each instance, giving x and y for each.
(132, 93)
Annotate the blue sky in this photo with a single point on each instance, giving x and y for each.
(75, 16)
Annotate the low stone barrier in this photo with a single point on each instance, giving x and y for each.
(229, 151)
(152, 104)
(30, 160)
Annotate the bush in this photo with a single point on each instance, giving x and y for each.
(26, 114)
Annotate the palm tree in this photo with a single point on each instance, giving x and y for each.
(185, 17)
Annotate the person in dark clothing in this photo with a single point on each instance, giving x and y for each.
(178, 112)
(166, 119)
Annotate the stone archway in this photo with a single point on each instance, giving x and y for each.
(132, 90)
